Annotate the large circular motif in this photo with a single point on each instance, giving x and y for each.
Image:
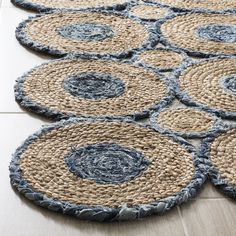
(200, 34)
(198, 5)
(84, 32)
(219, 153)
(103, 169)
(92, 87)
(186, 122)
(40, 5)
(209, 84)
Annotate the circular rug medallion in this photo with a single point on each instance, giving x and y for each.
(161, 59)
(105, 170)
(40, 5)
(148, 12)
(186, 122)
(84, 32)
(220, 155)
(92, 87)
(210, 84)
(198, 5)
(200, 34)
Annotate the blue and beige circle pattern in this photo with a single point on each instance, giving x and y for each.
(200, 34)
(92, 87)
(100, 166)
(84, 32)
(209, 84)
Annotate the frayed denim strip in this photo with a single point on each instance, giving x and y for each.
(197, 10)
(40, 8)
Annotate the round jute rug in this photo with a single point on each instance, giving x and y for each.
(200, 34)
(219, 153)
(85, 32)
(209, 84)
(42, 5)
(92, 87)
(105, 170)
(186, 122)
(220, 6)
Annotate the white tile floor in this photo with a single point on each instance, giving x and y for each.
(211, 214)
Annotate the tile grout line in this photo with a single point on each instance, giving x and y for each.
(12, 113)
(182, 221)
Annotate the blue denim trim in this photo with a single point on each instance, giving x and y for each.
(26, 41)
(40, 8)
(186, 99)
(163, 40)
(218, 125)
(213, 174)
(32, 106)
(200, 10)
(100, 213)
(135, 59)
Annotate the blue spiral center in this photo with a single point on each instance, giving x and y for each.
(106, 163)
(94, 86)
(86, 32)
(218, 33)
(229, 84)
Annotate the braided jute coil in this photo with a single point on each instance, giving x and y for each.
(105, 170)
(43, 5)
(209, 84)
(148, 11)
(219, 155)
(92, 87)
(200, 34)
(160, 59)
(186, 122)
(85, 32)
(220, 6)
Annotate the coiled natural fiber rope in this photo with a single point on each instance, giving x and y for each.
(186, 122)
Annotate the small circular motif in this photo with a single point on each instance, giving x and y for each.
(92, 87)
(148, 12)
(220, 153)
(106, 163)
(40, 5)
(161, 59)
(185, 122)
(152, 172)
(201, 5)
(84, 32)
(201, 34)
(203, 84)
